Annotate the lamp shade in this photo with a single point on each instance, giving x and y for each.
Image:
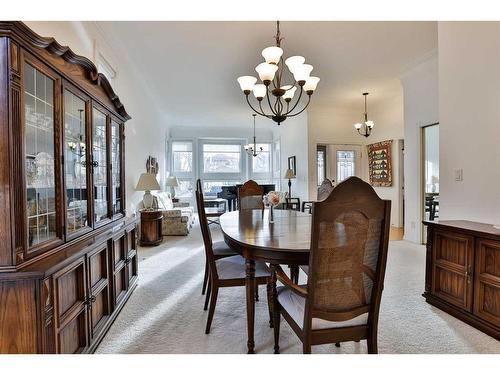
(302, 72)
(147, 182)
(259, 90)
(272, 55)
(294, 61)
(289, 174)
(246, 83)
(266, 71)
(290, 91)
(172, 181)
(311, 83)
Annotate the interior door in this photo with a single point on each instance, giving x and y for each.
(345, 161)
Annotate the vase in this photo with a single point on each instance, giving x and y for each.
(271, 214)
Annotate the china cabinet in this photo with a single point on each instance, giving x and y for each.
(68, 259)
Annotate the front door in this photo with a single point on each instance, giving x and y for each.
(345, 161)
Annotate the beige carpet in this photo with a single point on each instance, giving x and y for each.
(165, 313)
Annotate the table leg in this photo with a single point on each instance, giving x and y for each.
(250, 286)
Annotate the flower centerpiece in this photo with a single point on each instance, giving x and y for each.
(271, 200)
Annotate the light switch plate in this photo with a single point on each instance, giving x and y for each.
(459, 174)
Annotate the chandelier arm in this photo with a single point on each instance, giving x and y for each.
(302, 110)
(269, 103)
(251, 106)
(297, 102)
(262, 110)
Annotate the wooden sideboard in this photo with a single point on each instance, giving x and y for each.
(463, 272)
(68, 259)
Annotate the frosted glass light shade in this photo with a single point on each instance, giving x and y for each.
(272, 55)
(370, 124)
(247, 83)
(147, 182)
(259, 90)
(358, 126)
(266, 71)
(302, 72)
(290, 91)
(311, 83)
(293, 61)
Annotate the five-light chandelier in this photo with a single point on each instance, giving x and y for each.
(271, 74)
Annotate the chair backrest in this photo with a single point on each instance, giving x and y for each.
(349, 241)
(250, 196)
(205, 230)
(324, 189)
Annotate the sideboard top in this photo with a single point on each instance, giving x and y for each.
(19, 30)
(465, 225)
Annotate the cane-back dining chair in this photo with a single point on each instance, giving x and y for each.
(219, 248)
(227, 271)
(341, 301)
(250, 196)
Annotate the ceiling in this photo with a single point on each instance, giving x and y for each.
(189, 69)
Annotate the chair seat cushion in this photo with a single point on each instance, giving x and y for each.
(234, 268)
(220, 248)
(295, 306)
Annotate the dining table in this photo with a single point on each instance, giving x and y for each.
(285, 240)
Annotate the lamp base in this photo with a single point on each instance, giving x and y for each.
(289, 188)
(148, 200)
(172, 192)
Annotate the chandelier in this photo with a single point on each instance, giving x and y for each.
(252, 149)
(367, 125)
(271, 74)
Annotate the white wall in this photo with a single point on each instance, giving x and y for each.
(142, 137)
(293, 135)
(469, 112)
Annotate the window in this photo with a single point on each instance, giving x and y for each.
(185, 189)
(262, 162)
(346, 165)
(221, 158)
(182, 157)
(212, 188)
(321, 164)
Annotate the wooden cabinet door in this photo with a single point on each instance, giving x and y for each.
(99, 287)
(70, 306)
(487, 281)
(452, 267)
(118, 261)
(131, 241)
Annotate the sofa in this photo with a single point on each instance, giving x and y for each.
(178, 218)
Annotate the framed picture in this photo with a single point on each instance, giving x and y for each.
(292, 164)
(380, 164)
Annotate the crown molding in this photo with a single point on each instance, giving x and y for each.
(51, 45)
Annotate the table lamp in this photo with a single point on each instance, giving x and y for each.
(147, 182)
(289, 174)
(172, 182)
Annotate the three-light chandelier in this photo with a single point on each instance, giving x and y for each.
(251, 149)
(367, 125)
(271, 74)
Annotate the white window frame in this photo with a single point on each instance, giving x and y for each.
(262, 176)
(241, 176)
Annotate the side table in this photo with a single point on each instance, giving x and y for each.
(151, 228)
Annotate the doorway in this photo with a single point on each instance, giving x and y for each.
(430, 175)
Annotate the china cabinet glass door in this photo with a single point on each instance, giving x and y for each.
(99, 164)
(75, 163)
(40, 166)
(116, 168)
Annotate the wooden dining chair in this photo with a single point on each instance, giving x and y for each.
(250, 196)
(220, 248)
(324, 191)
(341, 301)
(227, 271)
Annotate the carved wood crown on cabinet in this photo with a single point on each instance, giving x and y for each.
(68, 259)
(463, 272)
